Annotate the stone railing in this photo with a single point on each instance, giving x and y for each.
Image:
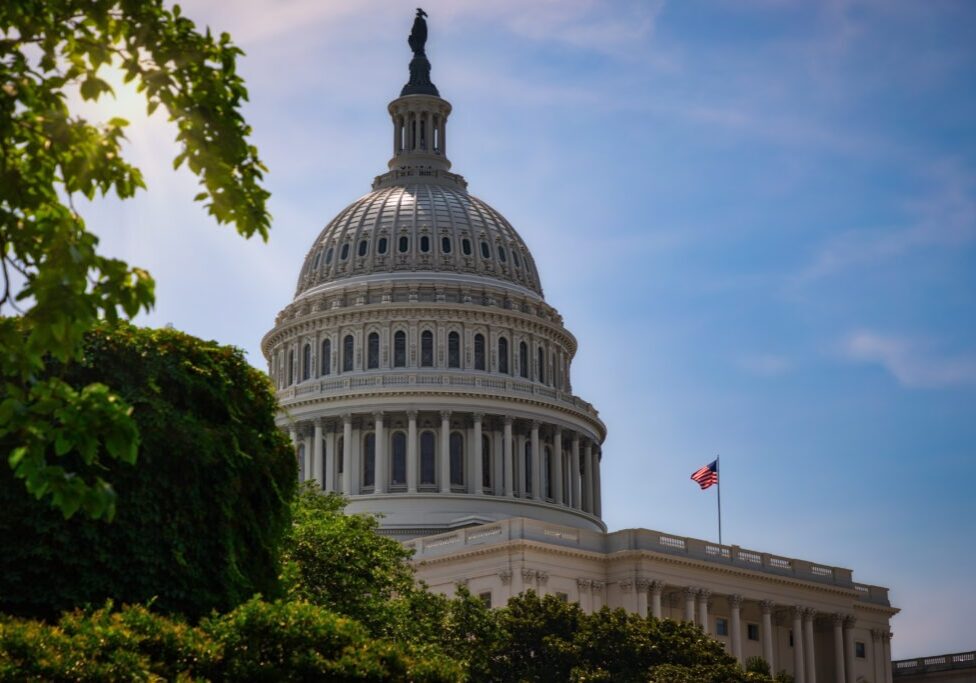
(906, 667)
(645, 539)
(491, 385)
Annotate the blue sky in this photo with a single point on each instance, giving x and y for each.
(757, 216)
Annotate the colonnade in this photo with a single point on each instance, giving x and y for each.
(450, 452)
(802, 620)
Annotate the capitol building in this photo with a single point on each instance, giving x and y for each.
(422, 374)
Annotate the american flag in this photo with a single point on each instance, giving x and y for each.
(707, 475)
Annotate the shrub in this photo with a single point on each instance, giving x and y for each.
(200, 515)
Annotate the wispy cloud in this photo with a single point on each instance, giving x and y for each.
(944, 218)
(910, 362)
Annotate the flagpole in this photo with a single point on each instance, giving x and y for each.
(718, 471)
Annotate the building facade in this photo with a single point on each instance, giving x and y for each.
(422, 374)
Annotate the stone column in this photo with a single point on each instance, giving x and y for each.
(799, 673)
(557, 466)
(293, 435)
(574, 475)
(849, 675)
(767, 633)
(528, 579)
(809, 656)
(703, 596)
(735, 604)
(520, 470)
(642, 585)
(690, 594)
(588, 477)
(657, 588)
(876, 654)
(329, 460)
(347, 454)
(307, 459)
(886, 651)
(380, 467)
(538, 493)
(475, 471)
(597, 493)
(542, 582)
(412, 465)
(507, 458)
(445, 451)
(317, 459)
(584, 585)
(597, 600)
(838, 621)
(498, 464)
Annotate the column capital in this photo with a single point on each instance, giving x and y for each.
(626, 586)
(809, 613)
(584, 584)
(506, 576)
(378, 415)
(796, 611)
(508, 419)
(886, 636)
(849, 621)
(527, 574)
(657, 587)
(411, 414)
(837, 619)
(642, 584)
(767, 606)
(346, 418)
(576, 438)
(735, 601)
(478, 417)
(318, 422)
(461, 582)
(704, 593)
(445, 414)
(599, 585)
(543, 577)
(534, 424)
(691, 592)
(875, 634)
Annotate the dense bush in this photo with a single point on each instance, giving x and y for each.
(201, 514)
(258, 641)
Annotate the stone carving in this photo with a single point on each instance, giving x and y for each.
(506, 576)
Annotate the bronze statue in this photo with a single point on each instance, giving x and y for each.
(418, 35)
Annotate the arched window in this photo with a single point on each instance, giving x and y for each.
(369, 460)
(347, 353)
(427, 464)
(404, 244)
(424, 243)
(446, 245)
(328, 255)
(524, 360)
(373, 351)
(485, 250)
(528, 467)
(453, 350)
(325, 361)
(427, 349)
(398, 469)
(466, 246)
(306, 361)
(503, 355)
(548, 468)
(291, 367)
(501, 254)
(515, 259)
(457, 459)
(485, 461)
(318, 257)
(479, 352)
(363, 247)
(542, 365)
(400, 349)
(344, 251)
(381, 246)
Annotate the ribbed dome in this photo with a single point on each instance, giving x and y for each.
(420, 227)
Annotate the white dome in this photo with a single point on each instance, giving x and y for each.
(418, 227)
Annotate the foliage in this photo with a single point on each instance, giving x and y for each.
(205, 510)
(758, 665)
(258, 641)
(339, 562)
(52, 271)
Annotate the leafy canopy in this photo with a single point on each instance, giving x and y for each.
(55, 284)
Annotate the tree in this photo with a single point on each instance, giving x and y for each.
(200, 519)
(53, 275)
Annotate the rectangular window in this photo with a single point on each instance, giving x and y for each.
(562, 597)
(485, 598)
(859, 650)
(752, 631)
(721, 626)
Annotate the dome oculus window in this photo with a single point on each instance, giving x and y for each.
(446, 245)
(404, 244)
(466, 247)
(381, 246)
(424, 244)
(485, 250)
